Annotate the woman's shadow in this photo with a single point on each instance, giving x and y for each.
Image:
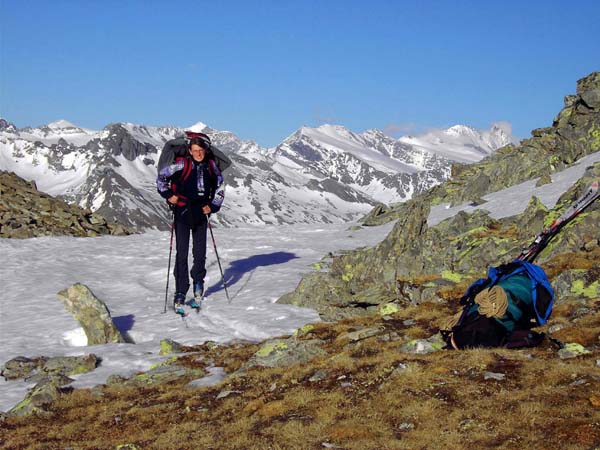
(237, 269)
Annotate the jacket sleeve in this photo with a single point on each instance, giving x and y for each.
(218, 188)
(163, 181)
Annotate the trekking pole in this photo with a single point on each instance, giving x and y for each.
(218, 260)
(169, 267)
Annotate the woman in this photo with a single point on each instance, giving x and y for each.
(193, 188)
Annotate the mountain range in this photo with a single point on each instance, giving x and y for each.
(325, 174)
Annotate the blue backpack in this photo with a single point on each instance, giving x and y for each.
(530, 299)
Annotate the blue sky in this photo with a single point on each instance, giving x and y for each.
(262, 69)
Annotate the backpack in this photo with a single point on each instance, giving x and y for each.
(529, 298)
(178, 148)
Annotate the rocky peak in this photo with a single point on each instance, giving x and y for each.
(5, 125)
(120, 140)
(62, 124)
(588, 89)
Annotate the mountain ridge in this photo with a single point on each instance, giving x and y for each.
(333, 173)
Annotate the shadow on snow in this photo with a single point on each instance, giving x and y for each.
(237, 269)
(124, 324)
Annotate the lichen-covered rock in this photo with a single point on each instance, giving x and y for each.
(92, 313)
(21, 367)
(588, 89)
(423, 346)
(285, 352)
(168, 346)
(71, 365)
(39, 368)
(577, 283)
(572, 350)
(166, 372)
(359, 335)
(388, 309)
(39, 399)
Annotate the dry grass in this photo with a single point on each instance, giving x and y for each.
(370, 395)
(384, 399)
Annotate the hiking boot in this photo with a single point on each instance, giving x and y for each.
(492, 302)
(196, 304)
(178, 302)
(198, 289)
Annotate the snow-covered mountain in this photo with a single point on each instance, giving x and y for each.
(461, 143)
(326, 174)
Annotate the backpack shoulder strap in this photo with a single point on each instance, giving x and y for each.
(543, 294)
(187, 169)
(213, 168)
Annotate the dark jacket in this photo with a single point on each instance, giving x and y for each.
(203, 186)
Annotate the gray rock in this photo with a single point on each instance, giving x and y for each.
(494, 376)
(38, 400)
(91, 313)
(115, 379)
(168, 346)
(285, 352)
(359, 335)
(21, 367)
(406, 426)
(71, 365)
(227, 393)
(556, 327)
(423, 346)
(572, 350)
(319, 375)
(57, 378)
(41, 368)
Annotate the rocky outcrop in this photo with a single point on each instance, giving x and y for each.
(285, 352)
(418, 263)
(41, 367)
(5, 125)
(50, 376)
(26, 212)
(39, 399)
(91, 313)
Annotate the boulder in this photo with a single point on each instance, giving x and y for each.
(423, 346)
(168, 346)
(166, 372)
(38, 399)
(91, 313)
(37, 369)
(21, 367)
(285, 352)
(71, 365)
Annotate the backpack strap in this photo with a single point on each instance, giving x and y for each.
(185, 174)
(187, 169)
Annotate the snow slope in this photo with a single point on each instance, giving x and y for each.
(129, 274)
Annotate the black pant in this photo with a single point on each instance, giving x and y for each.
(198, 272)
